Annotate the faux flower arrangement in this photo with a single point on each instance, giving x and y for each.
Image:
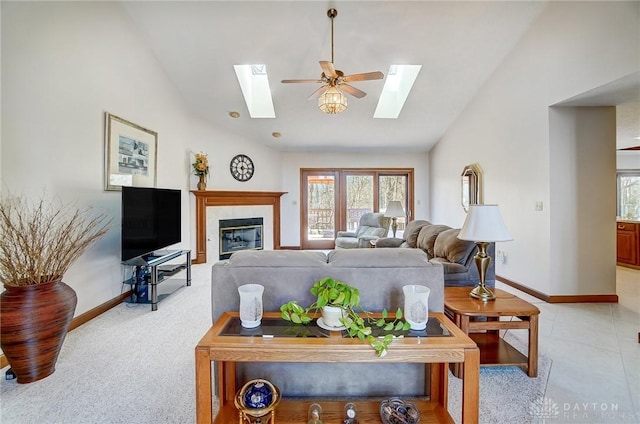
(200, 165)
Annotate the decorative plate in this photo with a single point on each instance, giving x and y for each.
(397, 411)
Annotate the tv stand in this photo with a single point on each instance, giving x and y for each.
(157, 272)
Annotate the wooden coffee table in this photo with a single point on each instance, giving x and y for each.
(218, 344)
(494, 350)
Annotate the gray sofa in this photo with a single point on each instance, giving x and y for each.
(288, 275)
(442, 246)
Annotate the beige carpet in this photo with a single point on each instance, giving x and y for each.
(507, 394)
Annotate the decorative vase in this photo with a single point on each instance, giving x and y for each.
(202, 184)
(416, 305)
(34, 321)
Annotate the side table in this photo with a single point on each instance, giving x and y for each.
(494, 350)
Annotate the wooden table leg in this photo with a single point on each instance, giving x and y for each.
(204, 395)
(532, 368)
(471, 386)
(226, 382)
(462, 322)
(439, 390)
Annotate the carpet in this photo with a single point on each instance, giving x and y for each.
(506, 393)
(134, 366)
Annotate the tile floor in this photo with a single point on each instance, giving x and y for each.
(595, 375)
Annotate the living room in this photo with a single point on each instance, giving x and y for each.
(65, 64)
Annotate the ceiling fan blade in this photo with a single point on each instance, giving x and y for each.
(363, 77)
(290, 81)
(328, 69)
(352, 90)
(318, 92)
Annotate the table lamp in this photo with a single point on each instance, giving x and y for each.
(483, 225)
(395, 211)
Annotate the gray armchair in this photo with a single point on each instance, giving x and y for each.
(372, 226)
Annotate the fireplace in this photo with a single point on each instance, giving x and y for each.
(240, 234)
(212, 199)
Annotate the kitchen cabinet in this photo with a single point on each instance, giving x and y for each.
(628, 243)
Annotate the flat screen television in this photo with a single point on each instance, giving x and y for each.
(150, 220)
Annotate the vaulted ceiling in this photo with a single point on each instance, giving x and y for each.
(458, 44)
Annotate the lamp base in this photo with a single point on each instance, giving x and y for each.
(482, 293)
(394, 225)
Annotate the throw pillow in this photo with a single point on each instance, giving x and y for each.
(449, 246)
(412, 230)
(427, 238)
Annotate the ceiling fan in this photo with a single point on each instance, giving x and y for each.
(334, 81)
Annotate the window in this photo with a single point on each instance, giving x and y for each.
(628, 195)
(335, 199)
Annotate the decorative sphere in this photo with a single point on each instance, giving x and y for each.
(258, 395)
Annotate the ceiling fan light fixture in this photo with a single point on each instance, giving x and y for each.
(332, 101)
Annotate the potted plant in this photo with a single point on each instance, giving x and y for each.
(40, 240)
(357, 322)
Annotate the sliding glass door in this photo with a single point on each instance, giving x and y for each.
(334, 200)
(359, 198)
(319, 197)
(395, 187)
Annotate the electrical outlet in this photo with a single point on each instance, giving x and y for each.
(539, 206)
(501, 255)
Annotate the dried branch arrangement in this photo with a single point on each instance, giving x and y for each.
(40, 240)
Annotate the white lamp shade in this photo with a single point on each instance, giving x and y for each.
(484, 223)
(394, 209)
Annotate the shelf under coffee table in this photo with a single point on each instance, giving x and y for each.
(221, 345)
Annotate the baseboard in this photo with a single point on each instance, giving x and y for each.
(86, 317)
(583, 298)
(290, 248)
(98, 310)
(588, 298)
(627, 265)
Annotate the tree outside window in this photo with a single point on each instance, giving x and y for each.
(629, 195)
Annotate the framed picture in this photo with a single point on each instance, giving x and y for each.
(130, 154)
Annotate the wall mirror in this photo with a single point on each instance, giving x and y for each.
(471, 186)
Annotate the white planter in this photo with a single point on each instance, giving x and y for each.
(331, 316)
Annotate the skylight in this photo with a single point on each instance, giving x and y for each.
(254, 83)
(397, 86)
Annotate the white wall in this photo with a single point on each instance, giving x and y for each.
(582, 200)
(573, 47)
(628, 159)
(292, 162)
(63, 65)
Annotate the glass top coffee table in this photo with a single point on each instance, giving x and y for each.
(276, 341)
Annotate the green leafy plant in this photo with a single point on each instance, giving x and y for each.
(357, 321)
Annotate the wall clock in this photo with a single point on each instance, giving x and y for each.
(241, 167)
